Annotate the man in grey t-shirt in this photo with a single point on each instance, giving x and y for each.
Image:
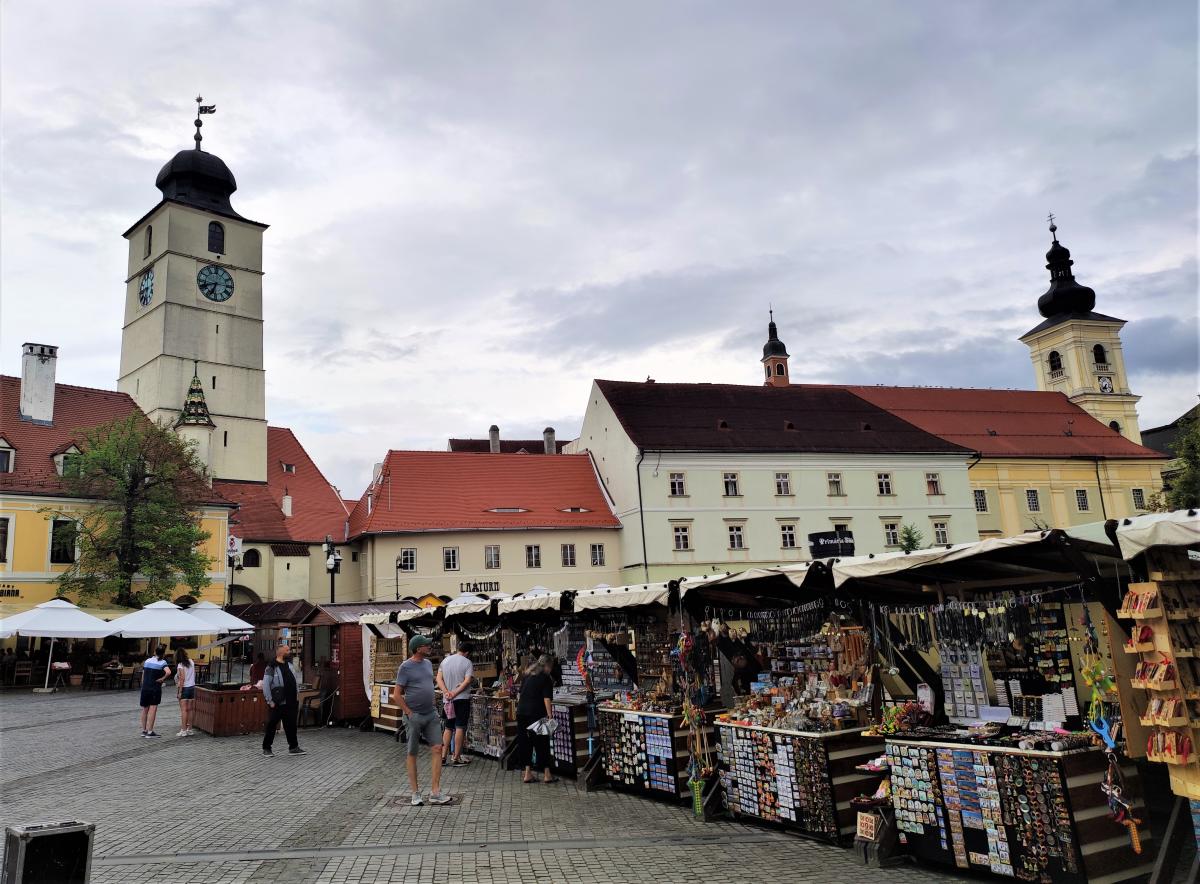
(454, 677)
(414, 695)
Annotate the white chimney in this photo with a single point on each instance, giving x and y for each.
(38, 363)
(375, 471)
(370, 500)
(548, 440)
(494, 439)
(286, 504)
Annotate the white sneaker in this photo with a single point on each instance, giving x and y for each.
(191, 732)
(182, 733)
(439, 798)
(416, 799)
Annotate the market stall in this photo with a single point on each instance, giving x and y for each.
(384, 642)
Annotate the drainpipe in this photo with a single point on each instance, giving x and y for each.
(1100, 488)
(642, 514)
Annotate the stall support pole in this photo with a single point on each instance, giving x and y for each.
(1168, 850)
(592, 775)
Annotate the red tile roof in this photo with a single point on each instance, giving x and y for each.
(450, 490)
(317, 508)
(1005, 423)
(76, 410)
(729, 417)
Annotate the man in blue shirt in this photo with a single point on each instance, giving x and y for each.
(414, 695)
(154, 672)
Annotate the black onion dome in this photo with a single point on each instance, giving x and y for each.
(773, 346)
(198, 178)
(1065, 295)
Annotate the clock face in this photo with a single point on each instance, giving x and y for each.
(215, 283)
(146, 288)
(1106, 385)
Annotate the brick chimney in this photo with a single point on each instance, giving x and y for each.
(38, 365)
(548, 441)
(494, 439)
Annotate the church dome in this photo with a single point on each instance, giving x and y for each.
(1065, 295)
(198, 178)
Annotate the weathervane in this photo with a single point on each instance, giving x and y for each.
(200, 110)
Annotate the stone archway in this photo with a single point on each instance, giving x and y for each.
(242, 595)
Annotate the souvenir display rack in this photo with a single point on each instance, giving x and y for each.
(644, 752)
(801, 780)
(569, 742)
(1028, 814)
(493, 726)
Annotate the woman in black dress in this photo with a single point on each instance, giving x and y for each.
(535, 703)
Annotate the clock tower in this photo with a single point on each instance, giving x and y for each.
(193, 314)
(1077, 351)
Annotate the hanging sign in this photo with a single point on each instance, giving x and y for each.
(831, 544)
(234, 546)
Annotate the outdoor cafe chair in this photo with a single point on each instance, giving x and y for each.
(23, 670)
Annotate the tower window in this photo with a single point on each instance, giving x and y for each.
(216, 238)
(767, 369)
(1113, 425)
(214, 382)
(149, 240)
(1099, 356)
(779, 368)
(225, 439)
(1055, 361)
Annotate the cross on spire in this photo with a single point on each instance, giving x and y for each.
(202, 109)
(1053, 226)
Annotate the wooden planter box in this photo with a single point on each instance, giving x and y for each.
(229, 713)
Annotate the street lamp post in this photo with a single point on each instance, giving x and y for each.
(333, 564)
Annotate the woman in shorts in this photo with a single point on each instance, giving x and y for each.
(185, 689)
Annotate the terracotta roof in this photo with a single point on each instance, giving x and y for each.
(1005, 423)
(295, 550)
(295, 611)
(317, 508)
(727, 417)
(76, 410)
(449, 490)
(507, 446)
(349, 612)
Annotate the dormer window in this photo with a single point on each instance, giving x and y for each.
(66, 462)
(289, 467)
(7, 456)
(575, 509)
(216, 238)
(508, 509)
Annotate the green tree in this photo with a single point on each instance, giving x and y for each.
(148, 488)
(1184, 492)
(911, 538)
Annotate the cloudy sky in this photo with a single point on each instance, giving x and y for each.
(476, 208)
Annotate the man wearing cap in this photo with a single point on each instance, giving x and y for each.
(414, 696)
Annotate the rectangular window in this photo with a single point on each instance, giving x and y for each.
(1139, 498)
(783, 484)
(787, 536)
(62, 541)
(683, 537)
(597, 555)
(533, 556)
(933, 483)
(736, 538)
(1032, 502)
(70, 464)
(449, 558)
(891, 533)
(731, 484)
(941, 532)
(885, 482)
(5, 460)
(678, 485)
(289, 468)
(841, 527)
(407, 560)
(3, 540)
(835, 484)
(568, 555)
(491, 557)
(980, 500)
(1081, 500)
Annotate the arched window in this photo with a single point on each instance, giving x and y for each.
(1098, 355)
(1113, 425)
(149, 240)
(251, 559)
(767, 369)
(779, 368)
(1055, 361)
(216, 238)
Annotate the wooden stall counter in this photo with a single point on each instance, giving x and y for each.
(645, 752)
(229, 712)
(384, 713)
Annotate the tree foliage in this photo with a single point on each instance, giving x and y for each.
(1184, 492)
(911, 538)
(148, 488)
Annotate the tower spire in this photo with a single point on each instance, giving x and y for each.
(1065, 295)
(775, 355)
(201, 109)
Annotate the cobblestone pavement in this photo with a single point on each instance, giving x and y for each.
(227, 814)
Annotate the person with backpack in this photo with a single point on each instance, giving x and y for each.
(283, 705)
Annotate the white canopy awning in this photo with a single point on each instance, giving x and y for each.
(537, 599)
(465, 605)
(162, 619)
(865, 567)
(56, 618)
(1158, 529)
(397, 616)
(621, 597)
(216, 616)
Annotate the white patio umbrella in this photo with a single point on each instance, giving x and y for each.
(216, 616)
(54, 619)
(162, 618)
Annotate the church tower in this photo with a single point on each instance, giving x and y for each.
(775, 358)
(193, 315)
(1077, 352)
